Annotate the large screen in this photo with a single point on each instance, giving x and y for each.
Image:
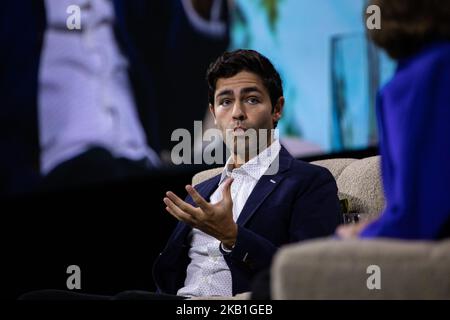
(330, 71)
(92, 92)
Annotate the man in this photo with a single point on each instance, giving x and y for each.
(232, 224)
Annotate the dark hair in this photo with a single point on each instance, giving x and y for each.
(409, 25)
(231, 63)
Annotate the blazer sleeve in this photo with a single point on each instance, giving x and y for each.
(317, 212)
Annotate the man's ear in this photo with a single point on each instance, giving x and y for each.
(211, 109)
(278, 109)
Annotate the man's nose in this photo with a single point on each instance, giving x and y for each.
(238, 111)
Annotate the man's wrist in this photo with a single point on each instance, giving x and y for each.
(231, 240)
(226, 249)
(229, 243)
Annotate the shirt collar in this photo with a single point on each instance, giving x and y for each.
(256, 166)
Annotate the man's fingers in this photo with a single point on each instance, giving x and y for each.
(180, 203)
(226, 191)
(173, 214)
(179, 214)
(198, 199)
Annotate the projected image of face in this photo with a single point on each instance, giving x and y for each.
(244, 114)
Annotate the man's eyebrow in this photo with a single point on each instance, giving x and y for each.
(224, 93)
(250, 89)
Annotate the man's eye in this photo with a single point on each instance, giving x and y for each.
(225, 102)
(253, 100)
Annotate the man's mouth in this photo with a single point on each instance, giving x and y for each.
(238, 131)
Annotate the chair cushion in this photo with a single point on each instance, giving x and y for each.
(360, 183)
(335, 166)
(205, 175)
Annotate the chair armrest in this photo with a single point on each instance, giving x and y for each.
(338, 269)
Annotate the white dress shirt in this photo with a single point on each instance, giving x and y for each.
(85, 97)
(208, 273)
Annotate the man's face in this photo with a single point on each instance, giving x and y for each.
(241, 103)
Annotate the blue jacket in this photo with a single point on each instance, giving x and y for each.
(414, 125)
(299, 202)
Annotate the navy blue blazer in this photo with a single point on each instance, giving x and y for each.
(299, 202)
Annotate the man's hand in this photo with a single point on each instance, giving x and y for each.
(213, 219)
(351, 231)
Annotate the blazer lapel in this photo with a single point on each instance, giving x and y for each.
(207, 188)
(264, 187)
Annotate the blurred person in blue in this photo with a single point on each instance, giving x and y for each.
(413, 112)
(87, 103)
